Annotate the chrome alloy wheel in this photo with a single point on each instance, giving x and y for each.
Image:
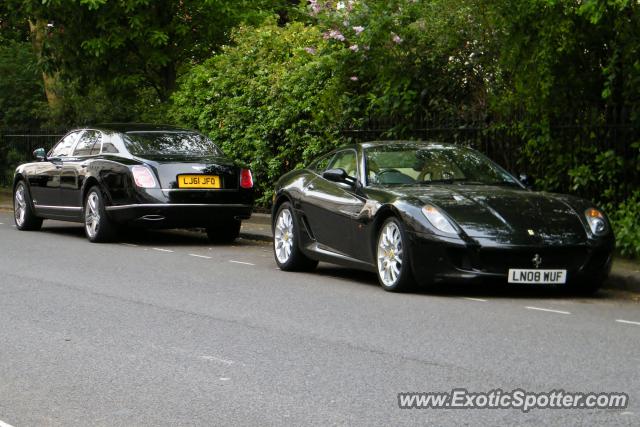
(92, 215)
(390, 254)
(20, 205)
(283, 236)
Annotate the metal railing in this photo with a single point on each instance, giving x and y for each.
(17, 145)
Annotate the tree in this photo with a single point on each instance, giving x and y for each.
(126, 50)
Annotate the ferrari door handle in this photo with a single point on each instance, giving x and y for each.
(311, 187)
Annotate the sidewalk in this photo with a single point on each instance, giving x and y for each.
(625, 274)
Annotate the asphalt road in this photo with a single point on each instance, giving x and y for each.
(165, 329)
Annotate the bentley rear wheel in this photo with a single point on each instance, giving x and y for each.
(97, 225)
(286, 248)
(392, 257)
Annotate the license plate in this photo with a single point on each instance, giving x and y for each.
(517, 275)
(198, 181)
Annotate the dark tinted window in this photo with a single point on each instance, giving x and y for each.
(108, 147)
(89, 144)
(427, 164)
(63, 148)
(345, 160)
(170, 142)
(321, 164)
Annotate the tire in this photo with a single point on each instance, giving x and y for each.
(23, 214)
(393, 261)
(97, 226)
(586, 288)
(286, 242)
(226, 232)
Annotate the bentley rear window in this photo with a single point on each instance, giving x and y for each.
(168, 143)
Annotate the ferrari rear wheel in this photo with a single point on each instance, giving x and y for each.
(24, 216)
(286, 248)
(392, 257)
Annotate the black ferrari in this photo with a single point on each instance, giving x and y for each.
(134, 175)
(423, 212)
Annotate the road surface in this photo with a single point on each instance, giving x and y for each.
(164, 329)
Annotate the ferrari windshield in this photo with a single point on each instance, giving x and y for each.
(170, 143)
(397, 164)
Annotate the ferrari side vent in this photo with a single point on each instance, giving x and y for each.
(307, 227)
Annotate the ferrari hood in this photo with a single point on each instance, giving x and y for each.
(495, 211)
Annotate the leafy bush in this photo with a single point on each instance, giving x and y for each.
(626, 224)
(271, 100)
(8, 164)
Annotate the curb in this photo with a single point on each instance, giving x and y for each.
(622, 282)
(255, 236)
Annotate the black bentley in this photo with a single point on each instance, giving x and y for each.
(134, 175)
(432, 212)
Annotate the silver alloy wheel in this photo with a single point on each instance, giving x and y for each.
(92, 215)
(283, 236)
(389, 254)
(20, 205)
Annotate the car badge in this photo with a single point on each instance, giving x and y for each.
(531, 232)
(537, 260)
(199, 168)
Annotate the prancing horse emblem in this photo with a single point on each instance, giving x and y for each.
(537, 261)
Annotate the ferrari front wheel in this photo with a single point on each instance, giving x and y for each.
(392, 257)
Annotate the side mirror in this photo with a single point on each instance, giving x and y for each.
(40, 154)
(526, 180)
(335, 175)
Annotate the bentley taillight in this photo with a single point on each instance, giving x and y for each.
(246, 179)
(143, 177)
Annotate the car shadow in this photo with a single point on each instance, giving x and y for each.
(145, 237)
(483, 290)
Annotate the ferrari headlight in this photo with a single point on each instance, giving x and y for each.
(438, 220)
(597, 223)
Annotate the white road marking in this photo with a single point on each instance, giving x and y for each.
(224, 379)
(218, 359)
(548, 310)
(129, 244)
(162, 250)
(1, 223)
(200, 256)
(3, 424)
(475, 299)
(629, 322)
(240, 262)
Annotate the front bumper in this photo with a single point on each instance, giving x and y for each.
(165, 215)
(436, 261)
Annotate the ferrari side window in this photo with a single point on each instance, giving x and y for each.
(321, 164)
(345, 160)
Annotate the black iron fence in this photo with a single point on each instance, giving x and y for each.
(17, 145)
(568, 146)
(548, 154)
